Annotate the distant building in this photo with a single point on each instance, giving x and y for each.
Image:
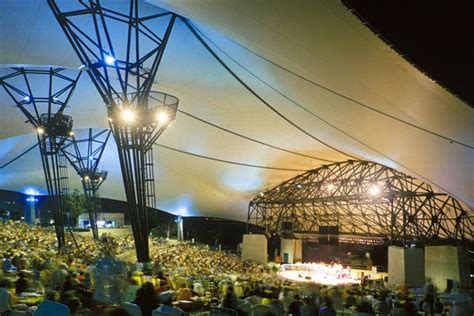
(104, 220)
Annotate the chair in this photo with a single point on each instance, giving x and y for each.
(132, 309)
(222, 311)
(261, 310)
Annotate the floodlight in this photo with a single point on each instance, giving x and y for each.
(162, 117)
(128, 116)
(109, 60)
(374, 190)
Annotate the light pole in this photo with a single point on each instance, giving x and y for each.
(30, 211)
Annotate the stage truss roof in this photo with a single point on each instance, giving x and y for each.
(361, 198)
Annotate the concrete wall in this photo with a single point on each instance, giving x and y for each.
(406, 266)
(294, 249)
(298, 250)
(287, 246)
(444, 263)
(254, 247)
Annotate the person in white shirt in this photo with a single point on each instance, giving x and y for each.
(6, 300)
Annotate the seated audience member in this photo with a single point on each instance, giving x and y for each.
(21, 285)
(327, 309)
(147, 299)
(130, 293)
(50, 307)
(6, 300)
(166, 307)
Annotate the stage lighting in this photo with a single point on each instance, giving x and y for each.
(109, 60)
(299, 186)
(374, 190)
(330, 187)
(261, 194)
(71, 133)
(100, 178)
(110, 119)
(40, 130)
(86, 178)
(162, 117)
(128, 116)
(27, 98)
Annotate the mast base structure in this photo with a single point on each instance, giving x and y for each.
(122, 51)
(84, 155)
(43, 106)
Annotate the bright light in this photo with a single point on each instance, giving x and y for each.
(32, 199)
(109, 60)
(110, 119)
(261, 194)
(32, 191)
(91, 158)
(329, 274)
(162, 117)
(374, 190)
(299, 186)
(330, 187)
(71, 133)
(40, 130)
(86, 178)
(27, 98)
(100, 179)
(128, 116)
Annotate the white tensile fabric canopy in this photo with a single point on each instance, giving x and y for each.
(320, 40)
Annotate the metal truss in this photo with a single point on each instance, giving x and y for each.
(121, 52)
(362, 198)
(84, 155)
(42, 95)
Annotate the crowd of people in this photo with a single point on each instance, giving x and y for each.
(93, 278)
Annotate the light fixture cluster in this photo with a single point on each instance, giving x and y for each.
(130, 117)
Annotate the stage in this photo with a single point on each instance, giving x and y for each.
(327, 274)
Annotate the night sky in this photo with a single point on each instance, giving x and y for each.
(435, 36)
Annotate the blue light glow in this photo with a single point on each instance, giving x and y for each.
(32, 192)
(32, 199)
(27, 98)
(109, 60)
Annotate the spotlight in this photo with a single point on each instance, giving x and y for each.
(128, 116)
(86, 178)
(100, 178)
(27, 98)
(374, 190)
(40, 130)
(330, 187)
(299, 186)
(162, 117)
(71, 133)
(109, 60)
(110, 119)
(261, 194)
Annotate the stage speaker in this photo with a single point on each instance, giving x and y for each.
(323, 230)
(333, 230)
(328, 235)
(287, 226)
